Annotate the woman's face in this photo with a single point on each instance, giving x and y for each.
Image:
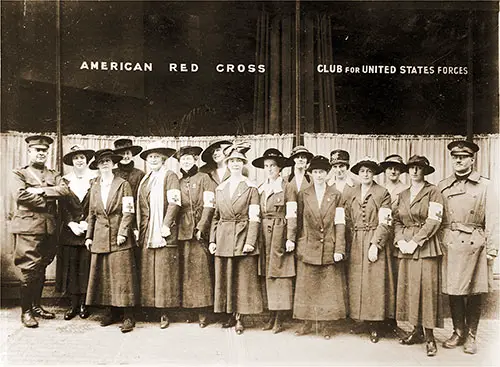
(235, 165)
(79, 161)
(365, 175)
(392, 173)
(155, 161)
(271, 168)
(300, 161)
(318, 175)
(126, 157)
(340, 170)
(416, 173)
(218, 155)
(186, 162)
(105, 165)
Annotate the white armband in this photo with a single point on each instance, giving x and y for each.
(339, 216)
(435, 211)
(128, 204)
(253, 213)
(291, 210)
(208, 199)
(174, 197)
(385, 216)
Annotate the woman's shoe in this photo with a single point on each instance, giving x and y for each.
(164, 322)
(128, 325)
(431, 348)
(305, 329)
(415, 337)
(230, 322)
(374, 337)
(108, 319)
(239, 327)
(71, 313)
(269, 324)
(202, 320)
(84, 312)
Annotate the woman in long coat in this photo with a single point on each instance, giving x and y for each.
(158, 204)
(113, 279)
(368, 207)
(233, 241)
(73, 262)
(299, 179)
(278, 207)
(320, 292)
(195, 218)
(416, 221)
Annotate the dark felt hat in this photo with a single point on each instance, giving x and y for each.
(421, 161)
(319, 162)
(339, 156)
(39, 140)
(188, 150)
(77, 149)
(300, 149)
(393, 160)
(463, 147)
(157, 147)
(206, 156)
(369, 162)
(122, 145)
(276, 155)
(104, 153)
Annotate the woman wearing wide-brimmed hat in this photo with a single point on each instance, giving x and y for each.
(300, 179)
(214, 158)
(278, 207)
(371, 297)
(233, 241)
(125, 167)
(158, 204)
(195, 218)
(416, 221)
(73, 258)
(113, 280)
(320, 294)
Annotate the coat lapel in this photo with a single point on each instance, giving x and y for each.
(423, 192)
(311, 200)
(328, 200)
(112, 193)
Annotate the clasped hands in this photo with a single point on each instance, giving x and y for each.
(78, 229)
(407, 247)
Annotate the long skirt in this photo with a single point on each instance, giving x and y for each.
(277, 293)
(320, 292)
(419, 294)
(197, 275)
(73, 266)
(237, 285)
(160, 277)
(113, 279)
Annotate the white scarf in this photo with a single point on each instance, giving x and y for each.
(80, 185)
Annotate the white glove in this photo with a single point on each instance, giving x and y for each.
(75, 228)
(373, 253)
(289, 246)
(212, 247)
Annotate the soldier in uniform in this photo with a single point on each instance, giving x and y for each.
(469, 237)
(125, 168)
(35, 189)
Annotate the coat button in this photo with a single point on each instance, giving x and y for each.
(321, 240)
(321, 230)
(472, 211)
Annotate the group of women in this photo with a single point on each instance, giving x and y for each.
(312, 243)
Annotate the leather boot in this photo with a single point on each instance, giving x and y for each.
(37, 309)
(202, 320)
(415, 337)
(278, 325)
(239, 324)
(110, 317)
(305, 329)
(457, 310)
(128, 320)
(327, 332)
(270, 322)
(229, 322)
(27, 317)
(431, 343)
(473, 314)
(74, 309)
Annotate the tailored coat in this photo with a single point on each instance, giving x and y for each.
(130, 174)
(105, 224)
(371, 293)
(278, 224)
(306, 182)
(469, 232)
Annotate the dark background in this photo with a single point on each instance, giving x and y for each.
(208, 33)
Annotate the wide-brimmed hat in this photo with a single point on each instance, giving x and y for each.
(274, 154)
(77, 149)
(157, 147)
(104, 153)
(369, 162)
(393, 160)
(463, 147)
(300, 149)
(319, 162)
(339, 156)
(121, 145)
(237, 151)
(188, 150)
(421, 161)
(42, 140)
(206, 156)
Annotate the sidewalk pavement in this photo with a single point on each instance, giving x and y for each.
(84, 342)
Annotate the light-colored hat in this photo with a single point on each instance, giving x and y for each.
(157, 147)
(237, 151)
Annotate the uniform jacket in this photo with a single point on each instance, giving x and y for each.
(198, 205)
(321, 230)
(72, 210)
(278, 224)
(170, 208)
(236, 219)
(306, 182)
(104, 225)
(35, 214)
(419, 221)
(130, 174)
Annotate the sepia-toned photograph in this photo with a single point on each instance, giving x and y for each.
(249, 183)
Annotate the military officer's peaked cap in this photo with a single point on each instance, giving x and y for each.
(462, 147)
(34, 140)
(188, 150)
(319, 162)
